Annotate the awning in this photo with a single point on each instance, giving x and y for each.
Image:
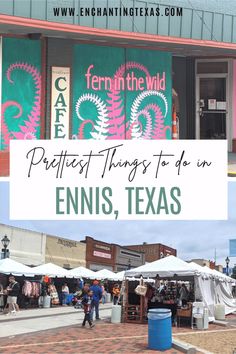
(178, 46)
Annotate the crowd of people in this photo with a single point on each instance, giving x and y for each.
(87, 296)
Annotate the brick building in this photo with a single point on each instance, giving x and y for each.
(153, 251)
(111, 256)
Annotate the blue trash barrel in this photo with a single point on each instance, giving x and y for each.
(159, 329)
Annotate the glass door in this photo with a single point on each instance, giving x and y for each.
(212, 108)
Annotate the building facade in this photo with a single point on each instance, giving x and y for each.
(27, 247)
(34, 248)
(179, 55)
(208, 263)
(153, 251)
(127, 259)
(100, 255)
(65, 253)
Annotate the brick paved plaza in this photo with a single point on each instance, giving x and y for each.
(103, 338)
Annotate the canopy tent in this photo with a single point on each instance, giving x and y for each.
(217, 289)
(82, 272)
(9, 266)
(119, 276)
(105, 274)
(219, 275)
(212, 287)
(52, 270)
(164, 267)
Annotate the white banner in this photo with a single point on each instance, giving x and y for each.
(124, 180)
(60, 102)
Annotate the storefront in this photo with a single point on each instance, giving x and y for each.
(215, 100)
(127, 259)
(79, 79)
(99, 255)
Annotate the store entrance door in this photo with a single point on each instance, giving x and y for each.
(212, 107)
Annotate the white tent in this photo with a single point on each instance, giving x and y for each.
(210, 286)
(105, 274)
(82, 272)
(9, 266)
(119, 276)
(164, 267)
(52, 270)
(216, 288)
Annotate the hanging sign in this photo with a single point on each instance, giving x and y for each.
(60, 102)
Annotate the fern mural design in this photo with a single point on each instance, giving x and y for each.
(145, 122)
(28, 128)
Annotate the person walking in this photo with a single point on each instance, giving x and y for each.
(183, 292)
(87, 303)
(97, 295)
(13, 290)
(116, 294)
(103, 294)
(64, 292)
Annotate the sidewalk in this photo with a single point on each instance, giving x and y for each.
(28, 321)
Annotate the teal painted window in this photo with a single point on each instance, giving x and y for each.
(121, 93)
(21, 90)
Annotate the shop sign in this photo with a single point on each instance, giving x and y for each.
(67, 243)
(102, 254)
(60, 102)
(130, 97)
(106, 248)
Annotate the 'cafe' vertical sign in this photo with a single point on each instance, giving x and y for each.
(60, 102)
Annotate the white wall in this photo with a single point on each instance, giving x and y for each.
(27, 247)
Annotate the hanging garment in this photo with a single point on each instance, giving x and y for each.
(27, 288)
(54, 295)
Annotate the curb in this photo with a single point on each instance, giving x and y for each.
(221, 323)
(187, 348)
(15, 318)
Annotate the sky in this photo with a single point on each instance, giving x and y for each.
(192, 239)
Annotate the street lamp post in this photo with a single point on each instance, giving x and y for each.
(129, 265)
(227, 260)
(5, 242)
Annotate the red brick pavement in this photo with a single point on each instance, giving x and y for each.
(103, 338)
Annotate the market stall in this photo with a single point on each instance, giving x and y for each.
(21, 272)
(173, 277)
